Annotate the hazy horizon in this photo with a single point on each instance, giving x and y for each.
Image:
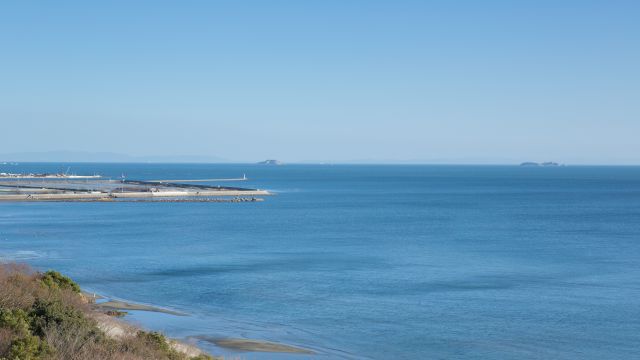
(339, 82)
(107, 157)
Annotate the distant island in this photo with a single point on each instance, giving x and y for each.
(270, 162)
(549, 163)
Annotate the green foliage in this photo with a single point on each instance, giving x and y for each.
(28, 348)
(202, 357)
(155, 339)
(16, 320)
(159, 343)
(24, 346)
(55, 280)
(53, 313)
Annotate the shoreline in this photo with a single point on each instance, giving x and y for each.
(117, 328)
(110, 317)
(235, 344)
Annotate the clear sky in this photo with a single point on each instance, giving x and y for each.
(325, 80)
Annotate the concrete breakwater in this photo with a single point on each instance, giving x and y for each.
(131, 195)
(104, 190)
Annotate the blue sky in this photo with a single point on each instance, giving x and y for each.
(392, 81)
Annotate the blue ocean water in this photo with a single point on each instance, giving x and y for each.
(364, 262)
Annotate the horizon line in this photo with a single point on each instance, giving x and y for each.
(398, 163)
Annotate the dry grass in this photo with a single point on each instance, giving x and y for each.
(6, 337)
(18, 288)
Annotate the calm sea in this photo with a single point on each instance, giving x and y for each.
(371, 262)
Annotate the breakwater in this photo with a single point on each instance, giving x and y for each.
(100, 190)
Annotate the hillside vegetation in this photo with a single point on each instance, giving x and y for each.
(44, 316)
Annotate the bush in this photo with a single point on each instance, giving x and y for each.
(55, 280)
(154, 339)
(28, 348)
(53, 313)
(15, 320)
(18, 288)
(158, 342)
(202, 357)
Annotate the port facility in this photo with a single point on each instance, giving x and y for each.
(100, 189)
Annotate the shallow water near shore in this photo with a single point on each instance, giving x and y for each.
(403, 262)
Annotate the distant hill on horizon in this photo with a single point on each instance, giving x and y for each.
(81, 156)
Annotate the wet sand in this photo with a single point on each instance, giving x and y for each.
(250, 345)
(254, 345)
(124, 306)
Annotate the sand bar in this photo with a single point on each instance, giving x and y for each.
(254, 345)
(124, 306)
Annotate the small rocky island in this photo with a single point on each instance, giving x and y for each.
(549, 163)
(270, 162)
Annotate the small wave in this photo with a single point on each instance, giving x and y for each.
(285, 190)
(20, 255)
